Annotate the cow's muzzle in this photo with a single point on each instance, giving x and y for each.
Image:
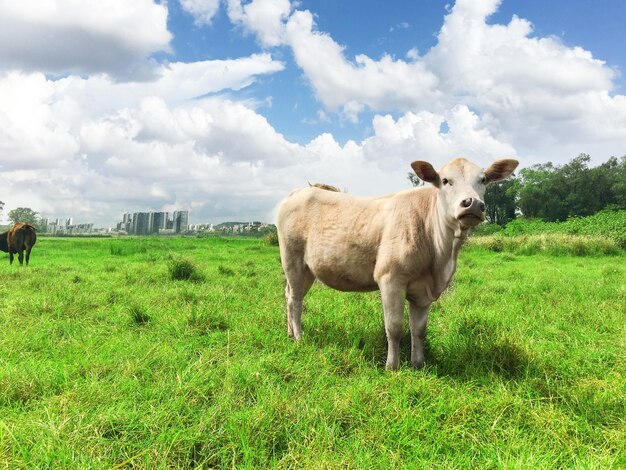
(471, 212)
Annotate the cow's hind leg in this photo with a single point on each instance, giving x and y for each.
(11, 256)
(20, 257)
(287, 296)
(28, 254)
(299, 282)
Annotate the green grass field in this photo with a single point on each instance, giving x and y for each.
(172, 353)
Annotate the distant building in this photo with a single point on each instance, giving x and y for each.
(181, 221)
(146, 223)
(201, 228)
(126, 224)
(159, 221)
(240, 227)
(141, 223)
(65, 227)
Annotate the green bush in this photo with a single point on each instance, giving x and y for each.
(116, 250)
(271, 238)
(225, 270)
(183, 270)
(128, 247)
(138, 315)
(487, 229)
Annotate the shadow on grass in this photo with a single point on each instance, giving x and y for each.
(476, 349)
(329, 334)
(472, 357)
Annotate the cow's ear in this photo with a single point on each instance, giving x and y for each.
(500, 169)
(426, 172)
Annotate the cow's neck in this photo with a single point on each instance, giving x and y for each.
(448, 239)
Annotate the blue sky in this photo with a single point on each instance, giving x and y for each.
(221, 107)
(376, 28)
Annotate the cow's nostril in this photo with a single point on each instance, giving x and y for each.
(482, 207)
(466, 202)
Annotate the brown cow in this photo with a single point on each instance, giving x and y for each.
(405, 245)
(20, 237)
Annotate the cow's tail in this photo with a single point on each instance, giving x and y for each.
(30, 235)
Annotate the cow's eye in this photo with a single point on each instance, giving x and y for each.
(483, 180)
(445, 181)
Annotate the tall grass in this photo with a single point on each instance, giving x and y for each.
(554, 244)
(271, 237)
(182, 269)
(601, 234)
(607, 224)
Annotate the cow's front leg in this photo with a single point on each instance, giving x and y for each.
(393, 307)
(418, 317)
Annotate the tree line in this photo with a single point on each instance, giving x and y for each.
(556, 193)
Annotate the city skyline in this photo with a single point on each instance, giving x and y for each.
(151, 222)
(156, 220)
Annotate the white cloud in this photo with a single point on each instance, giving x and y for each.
(34, 129)
(527, 89)
(413, 54)
(40, 117)
(202, 11)
(265, 18)
(175, 82)
(401, 25)
(421, 136)
(342, 85)
(61, 36)
(527, 92)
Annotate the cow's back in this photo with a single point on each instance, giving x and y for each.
(335, 234)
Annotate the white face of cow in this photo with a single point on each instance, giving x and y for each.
(462, 187)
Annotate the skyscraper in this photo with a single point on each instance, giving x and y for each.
(159, 221)
(140, 222)
(181, 221)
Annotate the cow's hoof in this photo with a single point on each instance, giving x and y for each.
(417, 365)
(294, 336)
(391, 367)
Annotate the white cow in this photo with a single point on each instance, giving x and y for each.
(405, 244)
